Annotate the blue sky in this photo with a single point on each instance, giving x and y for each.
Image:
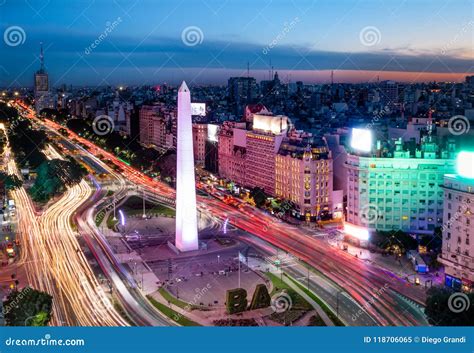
(303, 39)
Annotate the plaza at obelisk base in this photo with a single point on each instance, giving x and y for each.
(186, 212)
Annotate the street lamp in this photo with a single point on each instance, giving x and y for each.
(218, 258)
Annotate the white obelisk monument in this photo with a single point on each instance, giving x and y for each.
(186, 212)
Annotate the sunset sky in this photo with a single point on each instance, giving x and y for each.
(143, 42)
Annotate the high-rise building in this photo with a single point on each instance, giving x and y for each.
(303, 174)
(157, 127)
(398, 190)
(389, 95)
(242, 91)
(263, 143)
(232, 151)
(458, 249)
(199, 143)
(43, 97)
(186, 212)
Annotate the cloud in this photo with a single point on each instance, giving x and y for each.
(122, 55)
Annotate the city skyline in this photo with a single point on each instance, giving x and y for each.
(129, 44)
(238, 163)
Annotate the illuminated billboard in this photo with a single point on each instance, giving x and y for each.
(465, 164)
(270, 123)
(361, 140)
(212, 130)
(198, 109)
(360, 233)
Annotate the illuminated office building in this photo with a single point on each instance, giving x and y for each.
(458, 244)
(400, 189)
(303, 174)
(263, 144)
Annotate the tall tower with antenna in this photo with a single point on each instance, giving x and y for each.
(41, 76)
(43, 98)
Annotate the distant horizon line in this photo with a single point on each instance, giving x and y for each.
(309, 77)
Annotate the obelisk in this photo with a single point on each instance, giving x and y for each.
(186, 212)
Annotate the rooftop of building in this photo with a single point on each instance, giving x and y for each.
(460, 179)
(428, 148)
(304, 146)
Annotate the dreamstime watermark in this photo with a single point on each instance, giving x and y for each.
(377, 115)
(110, 26)
(196, 300)
(467, 27)
(458, 302)
(369, 214)
(370, 36)
(461, 210)
(15, 302)
(44, 341)
(369, 303)
(192, 36)
(14, 36)
(287, 27)
(103, 125)
(281, 302)
(459, 125)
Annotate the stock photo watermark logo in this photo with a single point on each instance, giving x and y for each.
(458, 302)
(192, 36)
(465, 29)
(281, 302)
(195, 301)
(369, 303)
(369, 214)
(103, 125)
(14, 36)
(459, 125)
(21, 295)
(109, 28)
(287, 27)
(370, 36)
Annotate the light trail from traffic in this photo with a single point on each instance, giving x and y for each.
(359, 279)
(53, 260)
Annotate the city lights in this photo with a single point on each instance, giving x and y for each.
(168, 164)
(465, 164)
(361, 140)
(357, 232)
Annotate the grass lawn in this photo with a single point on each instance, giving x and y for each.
(318, 300)
(99, 217)
(299, 303)
(173, 300)
(173, 315)
(110, 222)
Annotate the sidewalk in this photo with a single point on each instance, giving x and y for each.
(402, 267)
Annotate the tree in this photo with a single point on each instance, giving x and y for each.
(446, 308)
(394, 241)
(53, 176)
(10, 181)
(258, 196)
(28, 307)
